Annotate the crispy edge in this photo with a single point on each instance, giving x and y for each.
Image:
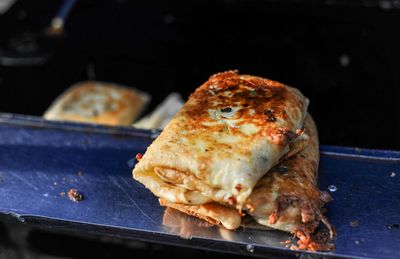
(212, 212)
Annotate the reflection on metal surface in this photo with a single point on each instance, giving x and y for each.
(250, 234)
(186, 226)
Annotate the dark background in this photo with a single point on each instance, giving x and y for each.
(343, 55)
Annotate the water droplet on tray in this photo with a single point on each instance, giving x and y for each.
(250, 248)
(332, 188)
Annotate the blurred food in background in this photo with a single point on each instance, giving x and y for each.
(162, 114)
(98, 102)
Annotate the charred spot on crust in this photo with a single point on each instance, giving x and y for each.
(232, 200)
(227, 109)
(270, 115)
(238, 187)
(273, 218)
(285, 201)
(290, 135)
(283, 136)
(281, 169)
(252, 93)
(271, 119)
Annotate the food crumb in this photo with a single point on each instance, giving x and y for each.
(139, 156)
(55, 183)
(62, 193)
(354, 223)
(392, 174)
(74, 195)
(393, 226)
(80, 173)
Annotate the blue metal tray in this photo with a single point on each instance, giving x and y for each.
(39, 160)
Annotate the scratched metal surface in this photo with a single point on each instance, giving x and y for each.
(39, 160)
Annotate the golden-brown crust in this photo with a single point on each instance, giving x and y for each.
(98, 102)
(264, 103)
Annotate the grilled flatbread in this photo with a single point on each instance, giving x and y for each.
(98, 102)
(218, 214)
(286, 198)
(232, 130)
